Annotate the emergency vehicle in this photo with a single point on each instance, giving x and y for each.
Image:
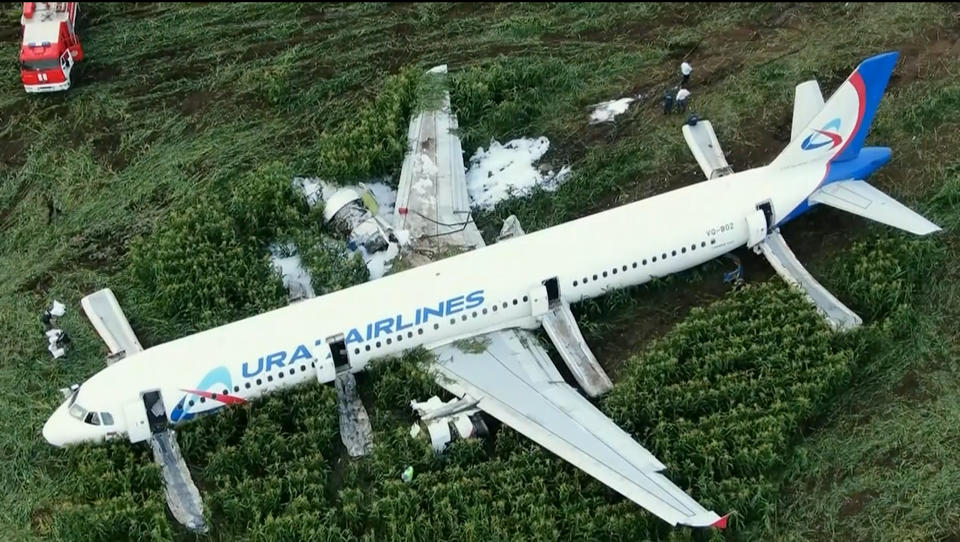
(50, 47)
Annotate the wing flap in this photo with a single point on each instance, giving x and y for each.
(512, 386)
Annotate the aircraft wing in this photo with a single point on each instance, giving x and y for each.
(512, 377)
(515, 381)
(432, 202)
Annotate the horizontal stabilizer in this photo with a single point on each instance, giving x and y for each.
(862, 199)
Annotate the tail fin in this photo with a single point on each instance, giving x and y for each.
(837, 132)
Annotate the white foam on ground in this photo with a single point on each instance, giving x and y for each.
(505, 171)
(607, 111)
(296, 279)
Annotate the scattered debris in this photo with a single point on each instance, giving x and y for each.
(407, 475)
(363, 213)
(504, 171)
(511, 228)
(50, 316)
(473, 345)
(58, 340)
(735, 276)
(607, 111)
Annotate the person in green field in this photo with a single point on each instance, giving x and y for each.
(682, 96)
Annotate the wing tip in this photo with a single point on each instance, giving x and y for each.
(722, 522)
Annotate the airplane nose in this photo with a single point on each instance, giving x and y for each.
(53, 430)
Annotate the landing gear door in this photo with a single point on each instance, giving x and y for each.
(135, 417)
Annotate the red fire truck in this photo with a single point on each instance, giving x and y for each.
(50, 45)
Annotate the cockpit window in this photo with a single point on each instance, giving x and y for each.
(77, 411)
(106, 418)
(92, 418)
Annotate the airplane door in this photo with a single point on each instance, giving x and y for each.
(155, 411)
(135, 415)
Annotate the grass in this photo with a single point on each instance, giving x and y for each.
(181, 109)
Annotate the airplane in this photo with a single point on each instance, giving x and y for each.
(501, 292)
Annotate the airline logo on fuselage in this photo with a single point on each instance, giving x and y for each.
(371, 331)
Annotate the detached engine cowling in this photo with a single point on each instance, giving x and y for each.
(345, 211)
(448, 421)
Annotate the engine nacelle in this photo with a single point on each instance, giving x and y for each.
(346, 213)
(448, 421)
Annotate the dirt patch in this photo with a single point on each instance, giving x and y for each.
(97, 73)
(888, 459)
(102, 250)
(634, 329)
(196, 101)
(928, 56)
(856, 502)
(11, 152)
(459, 10)
(38, 284)
(910, 388)
(21, 193)
(41, 520)
(106, 147)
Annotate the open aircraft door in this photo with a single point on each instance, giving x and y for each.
(135, 415)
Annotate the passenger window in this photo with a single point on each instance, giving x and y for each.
(106, 418)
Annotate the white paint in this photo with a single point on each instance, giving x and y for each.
(505, 171)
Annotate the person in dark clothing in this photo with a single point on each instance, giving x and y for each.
(668, 102)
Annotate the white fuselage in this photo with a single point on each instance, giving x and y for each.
(464, 295)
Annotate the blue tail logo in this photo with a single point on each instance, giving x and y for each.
(823, 136)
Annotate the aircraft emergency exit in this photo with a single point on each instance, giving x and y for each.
(513, 285)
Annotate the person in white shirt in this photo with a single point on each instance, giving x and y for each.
(682, 96)
(685, 70)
